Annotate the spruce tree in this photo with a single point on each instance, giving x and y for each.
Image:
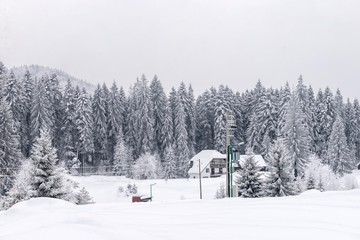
(27, 98)
(205, 121)
(280, 181)
(221, 110)
(181, 145)
(84, 125)
(122, 156)
(170, 169)
(40, 110)
(70, 136)
(338, 155)
(10, 156)
(46, 179)
(100, 125)
(161, 116)
(114, 118)
(145, 118)
(296, 136)
(249, 180)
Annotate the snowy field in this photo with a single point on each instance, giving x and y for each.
(177, 213)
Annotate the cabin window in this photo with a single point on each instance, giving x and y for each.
(207, 170)
(191, 164)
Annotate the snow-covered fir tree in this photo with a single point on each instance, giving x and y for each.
(161, 116)
(27, 98)
(280, 181)
(114, 118)
(205, 121)
(10, 155)
(181, 145)
(338, 155)
(169, 165)
(84, 125)
(249, 180)
(41, 115)
(122, 157)
(100, 125)
(46, 180)
(12, 90)
(263, 124)
(296, 136)
(70, 134)
(221, 110)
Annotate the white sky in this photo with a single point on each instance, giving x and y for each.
(206, 43)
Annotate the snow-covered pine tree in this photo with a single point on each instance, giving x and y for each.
(238, 109)
(280, 181)
(161, 116)
(54, 97)
(122, 156)
(100, 125)
(310, 183)
(124, 108)
(27, 99)
(320, 125)
(330, 115)
(338, 155)
(191, 120)
(249, 181)
(352, 128)
(145, 118)
(3, 76)
(263, 123)
(169, 165)
(296, 136)
(312, 118)
(284, 98)
(40, 110)
(70, 136)
(46, 180)
(356, 135)
(10, 155)
(12, 90)
(84, 125)
(114, 118)
(172, 105)
(205, 121)
(339, 104)
(181, 145)
(221, 110)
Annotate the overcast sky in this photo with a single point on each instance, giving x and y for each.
(205, 43)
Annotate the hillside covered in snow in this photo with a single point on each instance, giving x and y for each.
(177, 213)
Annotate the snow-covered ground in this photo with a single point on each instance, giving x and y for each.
(177, 213)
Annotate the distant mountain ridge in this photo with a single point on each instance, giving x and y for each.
(38, 71)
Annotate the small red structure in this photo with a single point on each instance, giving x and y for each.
(136, 199)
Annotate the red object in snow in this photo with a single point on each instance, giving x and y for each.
(136, 199)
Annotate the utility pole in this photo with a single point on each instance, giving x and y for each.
(230, 128)
(200, 180)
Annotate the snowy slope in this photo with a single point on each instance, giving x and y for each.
(312, 215)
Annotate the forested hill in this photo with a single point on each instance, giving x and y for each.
(38, 71)
(149, 130)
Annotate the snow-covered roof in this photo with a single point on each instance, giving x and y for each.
(258, 158)
(205, 157)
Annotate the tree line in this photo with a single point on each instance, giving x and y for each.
(147, 133)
